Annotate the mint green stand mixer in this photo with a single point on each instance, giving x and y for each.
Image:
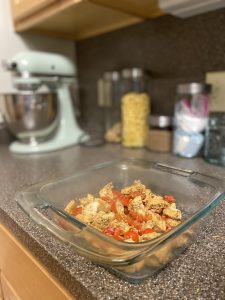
(34, 73)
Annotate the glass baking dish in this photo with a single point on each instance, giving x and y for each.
(196, 196)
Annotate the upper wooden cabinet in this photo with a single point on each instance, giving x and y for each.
(24, 8)
(77, 19)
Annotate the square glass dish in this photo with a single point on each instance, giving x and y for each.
(196, 195)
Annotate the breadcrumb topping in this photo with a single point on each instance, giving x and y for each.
(132, 214)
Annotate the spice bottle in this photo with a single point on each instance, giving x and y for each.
(159, 137)
(135, 108)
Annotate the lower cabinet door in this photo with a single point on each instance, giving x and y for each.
(7, 291)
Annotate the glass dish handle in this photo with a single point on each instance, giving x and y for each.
(174, 170)
(200, 179)
(62, 224)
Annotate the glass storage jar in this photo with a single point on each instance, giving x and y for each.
(214, 150)
(159, 137)
(135, 108)
(109, 95)
(190, 118)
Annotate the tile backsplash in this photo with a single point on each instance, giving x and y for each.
(174, 51)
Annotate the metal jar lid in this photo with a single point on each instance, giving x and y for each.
(132, 73)
(160, 121)
(193, 88)
(111, 76)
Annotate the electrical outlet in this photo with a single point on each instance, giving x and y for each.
(217, 96)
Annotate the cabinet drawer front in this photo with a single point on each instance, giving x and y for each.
(25, 275)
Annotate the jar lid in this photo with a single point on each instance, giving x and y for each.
(160, 121)
(133, 73)
(111, 76)
(217, 118)
(193, 88)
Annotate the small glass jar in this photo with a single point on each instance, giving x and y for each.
(190, 118)
(135, 108)
(214, 150)
(160, 133)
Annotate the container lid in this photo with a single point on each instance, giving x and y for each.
(133, 73)
(217, 119)
(160, 121)
(112, 76)
(193, 88)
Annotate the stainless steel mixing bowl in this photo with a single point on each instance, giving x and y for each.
(31, 116)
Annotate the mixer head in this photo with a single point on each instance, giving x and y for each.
(31, 69)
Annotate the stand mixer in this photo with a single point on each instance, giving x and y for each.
(33, 72)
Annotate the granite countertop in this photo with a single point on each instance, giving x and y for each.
(197, 274)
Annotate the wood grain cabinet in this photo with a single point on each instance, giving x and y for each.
(22, 277)
(78, 19)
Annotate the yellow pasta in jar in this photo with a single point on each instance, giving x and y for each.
(135, 112)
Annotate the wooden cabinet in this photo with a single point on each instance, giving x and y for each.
(78, 19)
(140, 8)
(24, 8)
(22, 276)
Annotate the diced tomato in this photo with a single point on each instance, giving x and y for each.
(77, 211)
(124, 199)
(113, 205)
(117, 194)
(147, 230)
(118, 234)
(131, 234)
(106, 198)
(137, 217)
(109, 230)
(169, 198)
(137, 225)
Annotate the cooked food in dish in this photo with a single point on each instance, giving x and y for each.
(134, 214)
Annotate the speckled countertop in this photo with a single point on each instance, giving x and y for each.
(199, 273)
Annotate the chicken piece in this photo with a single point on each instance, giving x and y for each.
(148, 224)
(137, 186)
(87, 219)
(159, 223)
(120, 224)
(70, 207)
(147, 194)
(136, 206)
(113, 135)
(90, 209)
(103, 205)
(103, 219)
(86, 200)
(172, 212)
(119, 208)
(106, 191)
(149, 236)
(156, 203)
(172, 222)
